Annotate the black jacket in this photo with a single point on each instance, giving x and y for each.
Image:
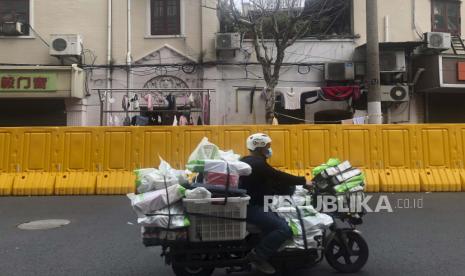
(266, 180)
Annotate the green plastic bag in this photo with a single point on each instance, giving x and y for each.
(332, 162)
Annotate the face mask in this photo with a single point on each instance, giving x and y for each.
(269, 153)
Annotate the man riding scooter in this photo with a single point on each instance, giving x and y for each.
(266, 181)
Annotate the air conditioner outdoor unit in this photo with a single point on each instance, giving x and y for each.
(394, 93)
(12, 28)
(392, 61)
(339, 71)
(228, 41)
(66, 45)
(438, 41)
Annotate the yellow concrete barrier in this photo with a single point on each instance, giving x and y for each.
(100, 160)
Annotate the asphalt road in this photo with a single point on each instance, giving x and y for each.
(102, 238)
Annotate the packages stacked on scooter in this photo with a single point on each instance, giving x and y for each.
(169, 218)
(150, 179)
(339, 177)
(219, 168)
(157, 203)
(306, 223)
(216, 172)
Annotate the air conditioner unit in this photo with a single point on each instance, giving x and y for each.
(339, 71)
(394, 93)
(228, 41)
(438, 41)
(12, 28)
(392, 61)
(66, 45)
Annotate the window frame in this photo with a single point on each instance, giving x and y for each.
(31, 34)
(148, 28)
(447, 2)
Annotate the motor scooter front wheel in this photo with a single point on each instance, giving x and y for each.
(347, 253)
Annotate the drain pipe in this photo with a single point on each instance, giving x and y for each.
(386, 28)
(109, 51)
(129, 54)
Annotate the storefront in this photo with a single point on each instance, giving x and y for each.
(40, 96)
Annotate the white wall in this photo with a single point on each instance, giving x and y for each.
(225, 78)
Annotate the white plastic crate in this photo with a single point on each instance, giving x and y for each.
(215, 226)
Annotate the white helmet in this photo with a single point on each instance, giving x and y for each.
(258, 140)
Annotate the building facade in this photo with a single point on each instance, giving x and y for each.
(113, 33)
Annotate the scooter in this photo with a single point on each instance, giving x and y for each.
(341, 245)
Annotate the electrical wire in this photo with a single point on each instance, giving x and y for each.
(37, 33)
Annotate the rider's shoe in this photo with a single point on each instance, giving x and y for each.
(260, 263)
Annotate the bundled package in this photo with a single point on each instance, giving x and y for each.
(340, 177)
(151, 179)
(167, 218)
(216, 172)
(310, 220)
(204, 150)
(153, 236)
(150, 202)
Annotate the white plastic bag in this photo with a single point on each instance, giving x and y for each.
(221, 166)
(204, 150)
(229, 155)
(162, 218)
(198, 193)
(150, 202)
(156, 179)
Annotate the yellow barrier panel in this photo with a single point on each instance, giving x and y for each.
(33, 183)
(358, 144)
(372, 180)
(399, 180)
(115, 183)
(6, 183)
(75, 183)
(399, 150)
(315, 144)
(440, 180)
(394, 157)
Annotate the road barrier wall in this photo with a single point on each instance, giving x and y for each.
(100, 160)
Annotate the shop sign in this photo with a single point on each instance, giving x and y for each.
(28, 82)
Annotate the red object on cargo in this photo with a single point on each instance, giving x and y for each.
(220, 179)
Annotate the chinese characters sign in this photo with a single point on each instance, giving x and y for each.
(28, 82)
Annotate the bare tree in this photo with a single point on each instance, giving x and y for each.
(273, 26)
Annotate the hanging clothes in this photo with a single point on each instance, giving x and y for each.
(206, 110)
(359, 120)
(252, 95)
(292, 96)
(116, 120)
(341, 93)
(125, 103)
(135, 102)
(183, 121)
(309, 98)
(149, 99)
(171, 102)
(275, 122)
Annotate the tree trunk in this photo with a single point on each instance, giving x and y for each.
(270, 103)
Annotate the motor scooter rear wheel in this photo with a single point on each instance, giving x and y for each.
(350, 258)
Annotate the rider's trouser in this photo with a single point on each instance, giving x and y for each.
(275, 229)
